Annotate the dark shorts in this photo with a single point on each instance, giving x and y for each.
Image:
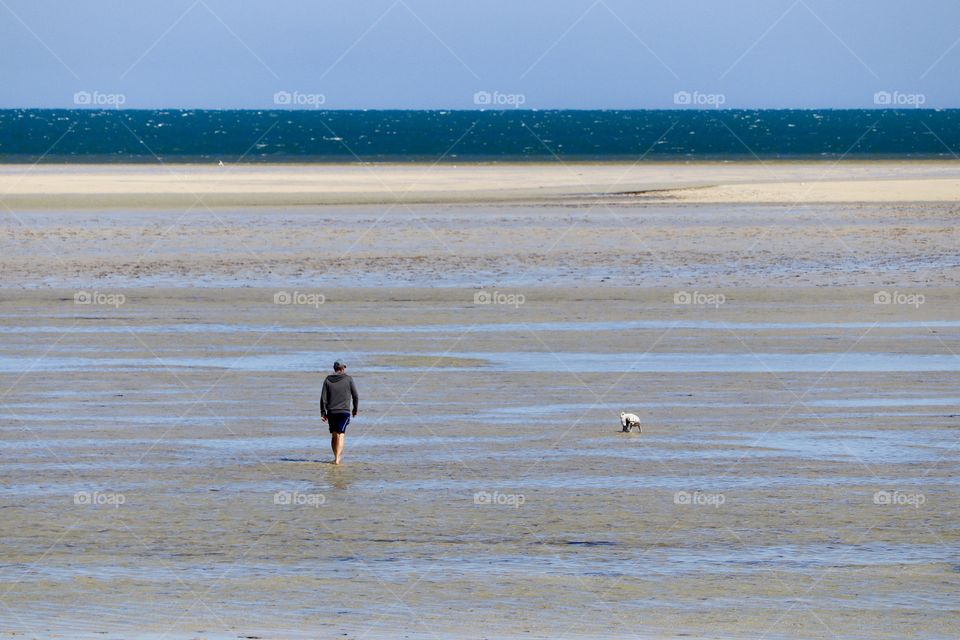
(338, 422)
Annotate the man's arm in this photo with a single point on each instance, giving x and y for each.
(356, 397)
(324, 398)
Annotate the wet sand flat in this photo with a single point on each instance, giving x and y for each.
(165, 472)
(593, 243)
(791, 348)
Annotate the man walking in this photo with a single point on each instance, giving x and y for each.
(338, 392)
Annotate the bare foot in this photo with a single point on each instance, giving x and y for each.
(336, 462)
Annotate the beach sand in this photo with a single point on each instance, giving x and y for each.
(194, 225)
(165, 473)
(274, 185)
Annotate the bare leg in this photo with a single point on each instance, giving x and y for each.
(333, 444)
(337, 447)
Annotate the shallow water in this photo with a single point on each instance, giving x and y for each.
(500, 327)
(491, 496)
(539, 362)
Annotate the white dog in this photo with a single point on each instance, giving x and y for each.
(630, 420)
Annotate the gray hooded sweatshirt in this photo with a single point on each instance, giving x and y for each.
(338, 391)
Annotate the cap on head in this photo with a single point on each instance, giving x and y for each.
(339, 366)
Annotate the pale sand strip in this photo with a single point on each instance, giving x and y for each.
(840, 191)
(69, 186)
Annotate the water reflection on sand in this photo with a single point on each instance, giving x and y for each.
(785, 466)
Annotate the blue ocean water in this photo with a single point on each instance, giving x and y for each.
(60, 135)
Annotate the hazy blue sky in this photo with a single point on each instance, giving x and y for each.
(440, 53)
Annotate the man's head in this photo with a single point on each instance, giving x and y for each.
(339, 366)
